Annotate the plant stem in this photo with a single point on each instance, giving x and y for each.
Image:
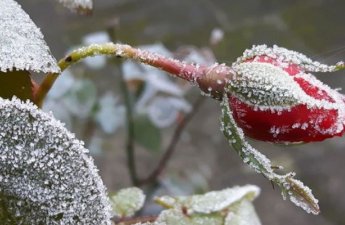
(210, 79)
(172, 146)
(130, 150)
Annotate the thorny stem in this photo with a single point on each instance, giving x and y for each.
(211, 79)
(172, 146)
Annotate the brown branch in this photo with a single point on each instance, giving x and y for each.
(172, 146)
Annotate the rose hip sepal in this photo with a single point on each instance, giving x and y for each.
(274, 97)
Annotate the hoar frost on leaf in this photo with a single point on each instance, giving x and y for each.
(78, 5)
(231, 206)
(127, 201)
(46, 174)
(21, 43)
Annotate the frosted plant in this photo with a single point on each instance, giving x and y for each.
(268, 94)
(83, 6)
(231, 206)
(46, 174)
(21, 43)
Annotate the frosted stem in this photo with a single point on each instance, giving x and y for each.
(299, 194)
(210, 79)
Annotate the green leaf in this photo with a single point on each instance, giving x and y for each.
(146, 134)
(127, 201)
(16, 83)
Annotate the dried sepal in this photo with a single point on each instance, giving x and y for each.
(46, 174)
(299, 194)
(22, 46)
(127, 202)
(80, 6)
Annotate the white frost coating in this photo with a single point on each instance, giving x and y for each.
(21, 43)
(77, 4)
(128, 201)
(46, 174)
(218, 200)
(245, 215)
(212, 208)
(285, 55)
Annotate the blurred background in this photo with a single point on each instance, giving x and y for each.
(91, 101)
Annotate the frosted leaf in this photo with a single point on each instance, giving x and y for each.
(21, 43)
(214, 201)
(83, 6)
(212, 208)
(300, 195)
(285, 55)
(47, 176)
(127, 202)
(242, 213)
(177, 217)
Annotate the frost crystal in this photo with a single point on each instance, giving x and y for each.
(83, 5)
(21, 43)
(46, 174)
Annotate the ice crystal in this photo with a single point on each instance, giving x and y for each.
(128, 201)
(21, 43)
(46, 174)
(297, 192)
(285, 55)
(78, 5)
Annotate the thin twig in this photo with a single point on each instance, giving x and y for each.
(130, 150)
(172, 146)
